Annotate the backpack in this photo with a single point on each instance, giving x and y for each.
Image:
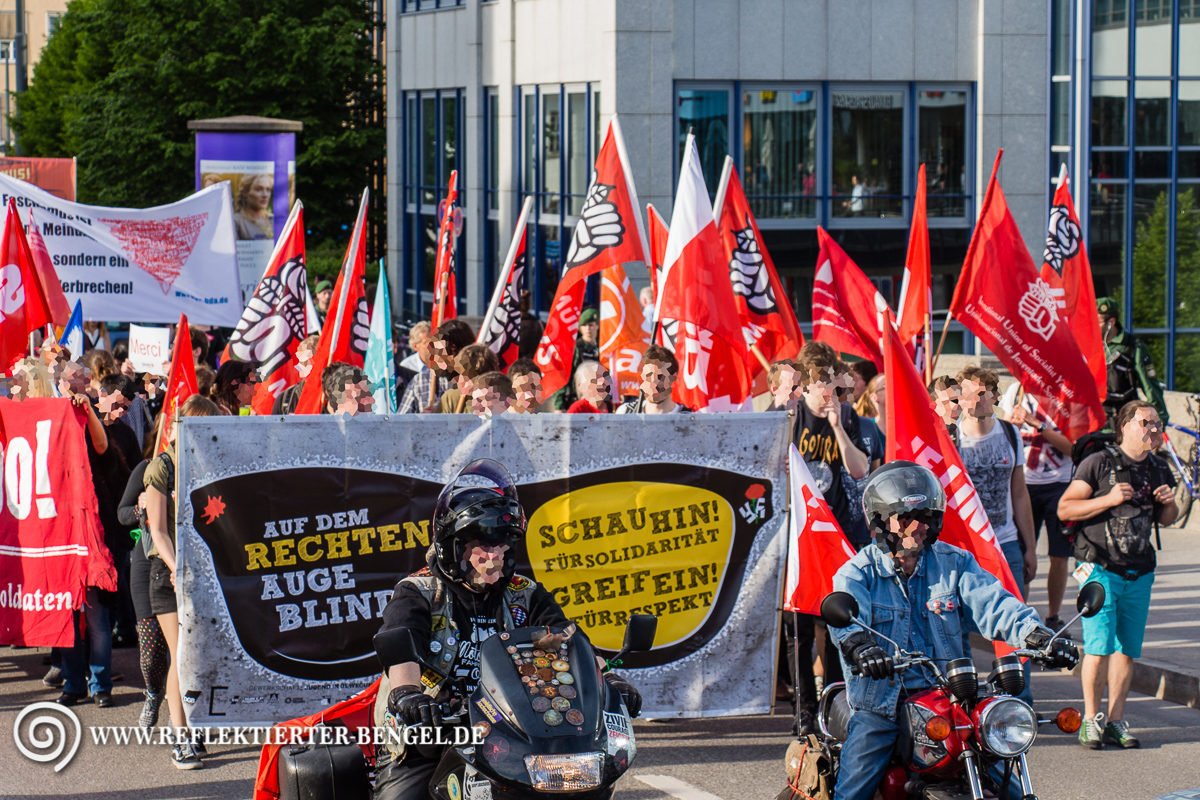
(1116, 534)
(809, 767)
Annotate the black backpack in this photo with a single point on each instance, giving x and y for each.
(1096, 442)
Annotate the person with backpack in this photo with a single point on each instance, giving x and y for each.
(1129, 365)
(1117, 496)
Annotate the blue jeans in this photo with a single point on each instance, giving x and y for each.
(87, 667)
(868, 749)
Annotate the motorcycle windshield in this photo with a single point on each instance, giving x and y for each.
(540, 701)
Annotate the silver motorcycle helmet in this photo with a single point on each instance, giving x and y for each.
(907, 490)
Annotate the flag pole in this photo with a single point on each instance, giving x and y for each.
(928, 347)
(509, 260)
(941, 342)
(759, 355)
(722, 185)
(351, 257)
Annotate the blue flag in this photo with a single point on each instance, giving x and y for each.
(379, 363)
(72, 335)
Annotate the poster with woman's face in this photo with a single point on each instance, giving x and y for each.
(252, 185)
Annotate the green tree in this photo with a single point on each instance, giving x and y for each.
(119, 80)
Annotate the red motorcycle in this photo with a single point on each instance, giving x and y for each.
(953, 737)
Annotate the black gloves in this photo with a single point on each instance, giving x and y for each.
(1063, 653)
(862, 651)
(631, 696)
(412, 706)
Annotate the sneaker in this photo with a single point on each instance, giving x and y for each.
(68, 699)
(198, 743)
(1117, 733)
(149, 716)
(1091, 732)
(183, 756)
(53, 678)
(103, 699)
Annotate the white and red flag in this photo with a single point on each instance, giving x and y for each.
(696, 304)
(849, 314)
(768, 321)
(51, 541)
(1068, 273)
(445, 289)
(1002, 299)
(915, 299)
(181, 380)
(817, 548)
(609, 231)
(348, 321)
(275, 321)
(23, 305)
(916, 433)
(501, 327)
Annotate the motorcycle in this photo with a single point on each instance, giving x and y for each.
(544, 722)
(952, 736)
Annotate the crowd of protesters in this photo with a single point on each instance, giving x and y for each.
(1017, 460)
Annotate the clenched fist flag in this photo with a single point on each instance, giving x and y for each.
(274, 322)
(347, 323)
(445, 290)
(501, 327)
(1002, 299)
(768, 321)
(609, 232)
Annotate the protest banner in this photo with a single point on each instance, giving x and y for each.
(55, 175)
(293, 532)
(141, 265)
(149, 348)
(51, 543)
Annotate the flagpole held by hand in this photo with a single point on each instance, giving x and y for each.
(941, 343)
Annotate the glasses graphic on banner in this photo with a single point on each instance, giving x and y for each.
(47, 734)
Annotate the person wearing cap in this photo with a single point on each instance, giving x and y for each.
(587, 348)
(322, 294)
(1129, 364)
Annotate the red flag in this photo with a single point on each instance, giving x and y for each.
(768, 321)
(816, 545)
(623, 334)
(1065, 268)
(915, 433)
(181, 380)
(274, 321)
(501, 328)
(445, 291)
(348, 321)
(23, 305)
(914, 294)
(696, 305)
(1003, 300)
(609, 232)
(658, 232)
(51, 542)
(60, 309)
(846, 305)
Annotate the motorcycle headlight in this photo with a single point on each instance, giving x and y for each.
(571, 773)
(1007, 727)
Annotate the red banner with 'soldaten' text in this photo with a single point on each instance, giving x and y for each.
(51, 543)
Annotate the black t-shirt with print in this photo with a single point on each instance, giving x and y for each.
(1123, 533)
(818, 446)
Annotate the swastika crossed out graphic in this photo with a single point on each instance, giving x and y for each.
(160, 247)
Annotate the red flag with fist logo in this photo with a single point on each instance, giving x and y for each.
(609, 232)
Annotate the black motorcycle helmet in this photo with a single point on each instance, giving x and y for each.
(902, 488)
(469, 510)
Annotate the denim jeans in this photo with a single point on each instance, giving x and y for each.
(867, 751)
(87, 667)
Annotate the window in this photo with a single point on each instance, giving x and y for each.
(559, 136)
(705, 113)
(868, 152)
(6, 51)
(53, 19)
(942, 148)
(427, 5)
(432, 148)
(779, 132)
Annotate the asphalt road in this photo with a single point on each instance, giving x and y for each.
(729, 759)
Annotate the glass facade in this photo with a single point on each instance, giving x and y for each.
(432, 147)
(1141, 145)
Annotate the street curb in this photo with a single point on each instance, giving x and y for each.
(1150, 677)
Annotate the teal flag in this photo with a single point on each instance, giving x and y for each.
(380, 365)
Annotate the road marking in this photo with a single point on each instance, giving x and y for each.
(676, 787)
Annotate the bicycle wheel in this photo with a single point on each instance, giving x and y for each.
(1183, 497)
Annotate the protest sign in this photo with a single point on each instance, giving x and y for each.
(51, 543)
(141, 265)
(292, 536)
(55, 175)
(149, 348)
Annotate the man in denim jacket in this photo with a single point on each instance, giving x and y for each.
(920, 593)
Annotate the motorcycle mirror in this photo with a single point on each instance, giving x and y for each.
(639, 633)
(396, 646)
(1090, 600)
(839, 609)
